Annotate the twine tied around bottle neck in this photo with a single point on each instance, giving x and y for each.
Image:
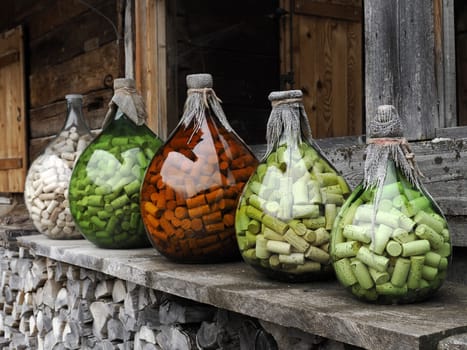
(201, 96)
(128, 100)
(285, 101)
(288, 121)
(387, 142)
(405, 146)
(205, 92)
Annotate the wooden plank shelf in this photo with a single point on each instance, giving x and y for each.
(322, 308)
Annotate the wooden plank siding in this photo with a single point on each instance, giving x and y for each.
(400, 64)
(445, 61)
(90, 71)
(72, 48)
(461, 59)
(327, 63)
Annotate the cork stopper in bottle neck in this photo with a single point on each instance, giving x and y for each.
(121, 83)
(386, 123)
(285, 97)
(199, 81)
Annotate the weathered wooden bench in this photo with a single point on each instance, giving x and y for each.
(322, 309)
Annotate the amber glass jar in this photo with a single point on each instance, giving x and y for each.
(288, 206)
(105, 184)
(46, 186)
(191, 188)
(390, 243)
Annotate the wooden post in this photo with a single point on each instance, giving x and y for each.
(129, 42)
(151, 65)
(400, 64)
(445, 56)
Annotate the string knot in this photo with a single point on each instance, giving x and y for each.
(205, 92)
(276, 103)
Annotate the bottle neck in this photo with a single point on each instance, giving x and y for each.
(75, 116)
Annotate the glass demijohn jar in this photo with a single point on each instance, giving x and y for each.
(191, 188)
(46, 186)
(287, 209)
(390, 243)
(105, 185)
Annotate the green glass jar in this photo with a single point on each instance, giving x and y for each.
(105, 185)
(390, 243)
(46, 185)
(287, 209)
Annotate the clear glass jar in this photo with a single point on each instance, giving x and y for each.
(191, 188)
(105, 184)
(288, 207)
(46, 186)
(390, 243)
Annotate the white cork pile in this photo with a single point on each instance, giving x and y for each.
(46, 187)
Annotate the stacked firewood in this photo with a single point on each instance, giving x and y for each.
(47, 304)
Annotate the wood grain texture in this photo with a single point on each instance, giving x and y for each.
(445, 61)
(47, 15)
(11, 163)
(151, 65)
(13, 131)
(329, 71)
(87, 72)
(400, 63)
(461, 59)
(330, 10)
(78, 34)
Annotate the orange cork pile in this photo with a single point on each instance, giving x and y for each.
(190, 193)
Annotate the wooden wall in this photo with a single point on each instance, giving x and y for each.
(326, 61)
(70, 49)
(461, 53)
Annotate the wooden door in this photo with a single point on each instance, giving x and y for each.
(324, 52)
(13, 150)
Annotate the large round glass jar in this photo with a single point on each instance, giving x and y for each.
(288, 206)
(46, 186)
(390, 242)
(191, 188)
(105, 184)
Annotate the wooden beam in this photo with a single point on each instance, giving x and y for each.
(87, 72)
(445, 58)
(400, 63)
(329, 10)
(129, 40)
(11, 163)
(9, 58)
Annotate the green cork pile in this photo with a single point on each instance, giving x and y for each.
(286, 213)
(395, 251)
(105, 185)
